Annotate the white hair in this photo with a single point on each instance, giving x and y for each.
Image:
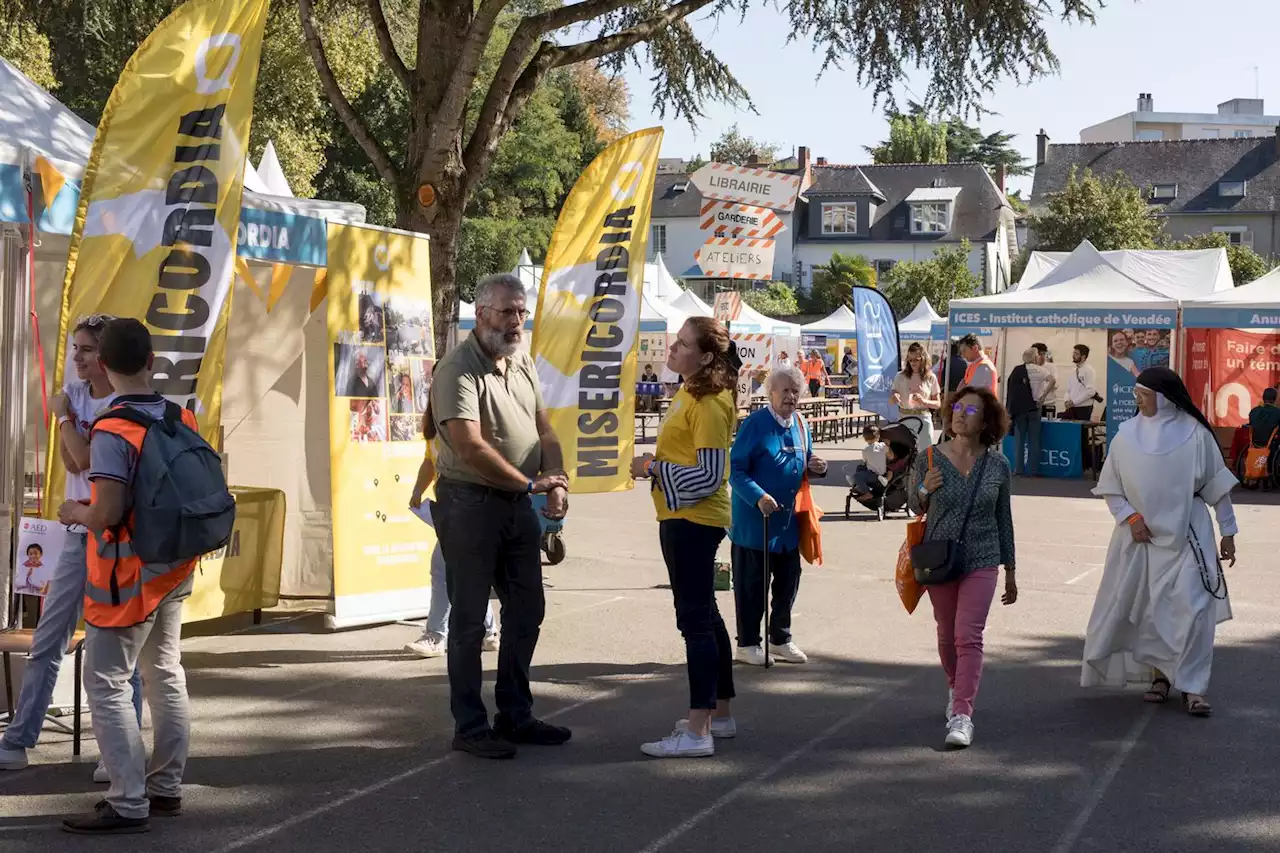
(1029, 356)
(487, 288)
(781, 372)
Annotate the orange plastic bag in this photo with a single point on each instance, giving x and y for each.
(1257, 459)
(904, 576)
(810, 517)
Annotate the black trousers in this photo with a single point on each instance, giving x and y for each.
(815, 385)
(1078, 413)
(689, 551)
(489, 539)
(748, 593)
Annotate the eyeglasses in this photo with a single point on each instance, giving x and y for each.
(520, 314)
(968, 410)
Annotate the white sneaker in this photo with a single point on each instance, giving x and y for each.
(753, 655)
(788, 652)
(960, 731)
(680, 744)
(490, 643)
(721, 727)
(951, 700)
(13, 758)
(427, 646)
(100, 774)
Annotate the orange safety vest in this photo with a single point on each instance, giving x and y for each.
(121, 590)
(813, 368)
(973, 369)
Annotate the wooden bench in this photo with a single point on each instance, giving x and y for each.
(839, 427)
(18, 641)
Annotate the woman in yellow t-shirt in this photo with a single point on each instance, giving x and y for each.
(689, 475)
(435, 634)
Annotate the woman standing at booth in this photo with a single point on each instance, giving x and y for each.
(916, 392)
(689, 474)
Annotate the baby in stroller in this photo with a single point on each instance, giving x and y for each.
(882, 486)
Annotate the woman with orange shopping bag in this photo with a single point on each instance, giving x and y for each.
(964, 487)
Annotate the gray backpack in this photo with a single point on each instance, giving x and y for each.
(182, 508)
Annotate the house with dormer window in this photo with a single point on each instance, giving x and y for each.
(904, 212)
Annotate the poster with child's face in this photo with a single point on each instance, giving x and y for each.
(40, 544)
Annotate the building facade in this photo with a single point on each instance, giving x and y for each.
(1239, 118)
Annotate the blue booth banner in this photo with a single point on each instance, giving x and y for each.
(1121, 403)
(1061, 448)
(1227, 317)
(1065, 319)
(878, 356)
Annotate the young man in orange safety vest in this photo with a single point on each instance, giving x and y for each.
(980, 373)
(133, 607)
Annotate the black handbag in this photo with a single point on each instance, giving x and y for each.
(941, 561)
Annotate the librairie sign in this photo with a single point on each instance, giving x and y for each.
(755, 187)
(727, 219)
(729, 257)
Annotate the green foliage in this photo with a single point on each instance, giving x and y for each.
(493, 245)
(776, 299)
(940, 279)
(1246, 264)
(1018, 265)
(833, 282)
(1017, 202)
(738, 150)
(912, 139)
(915, 138)
(27, 49)
(1110, 212)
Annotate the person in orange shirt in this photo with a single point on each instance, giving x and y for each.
(815, 370)
(980, 373)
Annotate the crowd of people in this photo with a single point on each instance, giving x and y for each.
(491, 451)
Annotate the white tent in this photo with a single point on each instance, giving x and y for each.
(918, 325)
(840, 323)
(751, 320)
(659, 316)
(1176, 273)
(1084, 281)
(690, 303)
(1255, 305)
(271, 173)
(658, 281)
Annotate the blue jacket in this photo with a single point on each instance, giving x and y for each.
(767, 458)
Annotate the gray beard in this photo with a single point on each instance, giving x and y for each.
(496, 343)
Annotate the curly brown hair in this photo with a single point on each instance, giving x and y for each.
(995, 418)
(719, 375)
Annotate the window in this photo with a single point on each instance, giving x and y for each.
(1150, 135)
(1231, 189)
(840, 218)
(1164, 191)
(931, 218)
(883, 268)
(1242, 134)
(1237, 235)
(657, 240)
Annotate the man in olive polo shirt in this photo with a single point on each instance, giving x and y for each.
(495, 449)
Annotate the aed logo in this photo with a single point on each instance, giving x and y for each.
(36, 526)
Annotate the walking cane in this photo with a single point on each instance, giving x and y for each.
(767, 662)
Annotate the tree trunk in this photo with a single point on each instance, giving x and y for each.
(442, 225)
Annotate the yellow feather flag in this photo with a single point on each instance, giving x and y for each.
(155, 232)
(587, 322)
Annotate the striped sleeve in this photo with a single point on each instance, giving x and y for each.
(685, 485)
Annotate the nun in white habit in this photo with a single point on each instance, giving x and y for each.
(1163, 591)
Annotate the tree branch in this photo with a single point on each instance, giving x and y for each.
(375, 152)
(575, 13)
(625, 39)
(388, 46)
(487, 130)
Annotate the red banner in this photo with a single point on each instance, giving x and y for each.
(1228, 369)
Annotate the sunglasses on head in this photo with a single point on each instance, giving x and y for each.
(969, 409)
(94, 321)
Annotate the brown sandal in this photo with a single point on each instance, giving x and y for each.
(1197, 707)
(1158, 693)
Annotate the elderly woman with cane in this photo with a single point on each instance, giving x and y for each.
(770, 456)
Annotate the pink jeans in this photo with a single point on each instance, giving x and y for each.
(961, 609)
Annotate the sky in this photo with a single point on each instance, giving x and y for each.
(1190, 54)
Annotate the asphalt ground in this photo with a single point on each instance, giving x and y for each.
(311, 741)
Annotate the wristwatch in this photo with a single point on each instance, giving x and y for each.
(529, 490)
(64, 419)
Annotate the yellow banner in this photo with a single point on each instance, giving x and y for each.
(380, 336)
(588, 319)
(245, 575)
(155, 232)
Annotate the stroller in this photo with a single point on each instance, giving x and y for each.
(891, 494)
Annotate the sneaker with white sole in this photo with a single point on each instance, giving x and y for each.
(960, 731)
(951, 700)
(490, 643)
(680, 744)
(751, 655)
(428, 646)
(722, 728)
(100, 774)
(13, 758)
(788, 652)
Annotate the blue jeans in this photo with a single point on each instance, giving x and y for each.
(438, 615)
(61, 614)
(1026, 443)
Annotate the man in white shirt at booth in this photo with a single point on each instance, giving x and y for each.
(1082, 390)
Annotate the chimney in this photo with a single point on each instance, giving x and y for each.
(1277, 142)
(1146, 104)
(1042, 147)
(1000, 177)
(822, 161)
(802, 158)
